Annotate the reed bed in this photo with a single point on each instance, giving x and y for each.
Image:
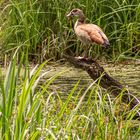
(42, 29)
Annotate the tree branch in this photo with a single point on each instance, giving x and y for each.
(96, 71)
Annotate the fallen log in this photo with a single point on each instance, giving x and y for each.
(96, 71)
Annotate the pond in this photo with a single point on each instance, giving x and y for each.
(128, 74)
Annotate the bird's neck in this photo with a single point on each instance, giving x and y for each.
(80, 21)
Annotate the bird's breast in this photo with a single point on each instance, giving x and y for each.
(83, 35)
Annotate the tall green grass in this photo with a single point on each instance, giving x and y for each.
(41, 27)
(29, 109)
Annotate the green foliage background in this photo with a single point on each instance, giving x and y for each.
(42, 29)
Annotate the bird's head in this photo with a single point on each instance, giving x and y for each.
(75, 12)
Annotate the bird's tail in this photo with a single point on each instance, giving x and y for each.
(106, 44)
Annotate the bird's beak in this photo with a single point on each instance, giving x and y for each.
(69, 16)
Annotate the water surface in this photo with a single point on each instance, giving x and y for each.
(126, 73)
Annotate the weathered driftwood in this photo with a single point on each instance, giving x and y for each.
(95, 71)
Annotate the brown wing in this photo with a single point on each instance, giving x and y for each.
(95, 33)
(100, 31)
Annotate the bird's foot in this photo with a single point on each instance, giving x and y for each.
(81, 57)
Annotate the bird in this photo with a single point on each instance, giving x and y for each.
(86, 32)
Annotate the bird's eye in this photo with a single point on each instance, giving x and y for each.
(75, 10)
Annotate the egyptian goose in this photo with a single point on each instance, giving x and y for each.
(88, 33)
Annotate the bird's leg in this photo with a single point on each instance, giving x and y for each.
(85, 54)
(86, 51)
